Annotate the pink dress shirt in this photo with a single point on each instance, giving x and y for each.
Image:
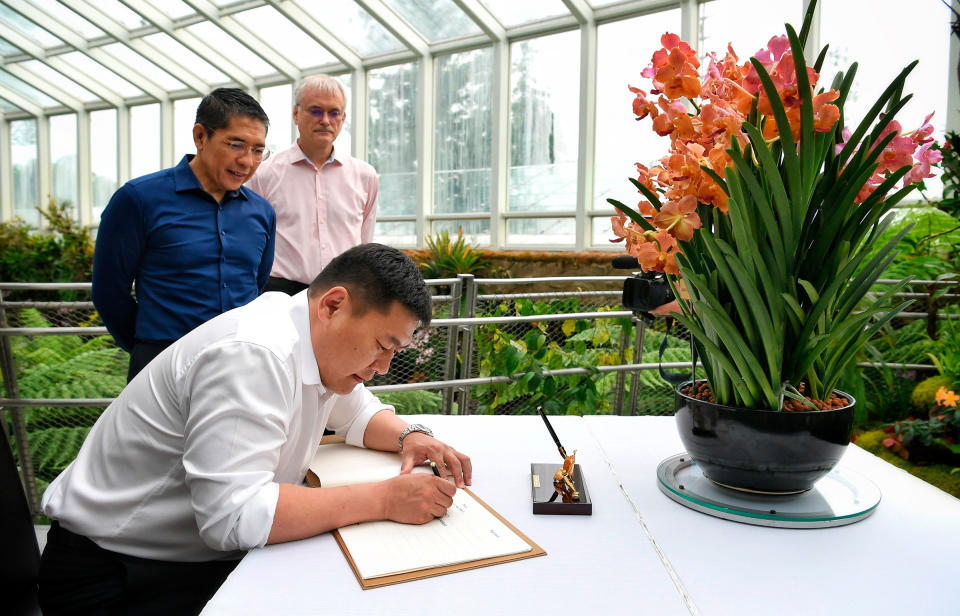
(321, 211)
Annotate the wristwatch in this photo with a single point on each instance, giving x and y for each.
(413, 428)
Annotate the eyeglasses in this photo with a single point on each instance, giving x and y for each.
(335, 115)
(241, 148)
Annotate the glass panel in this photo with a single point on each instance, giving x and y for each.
(143, 66)
(63, 159)
(231, 48)
(6, 105)
(541, 231)
(396, 234)
(462, 141)
(436, 20)
(292, 42)
(512, 13)
(184, 117)
(355, 27)
(57, 78)
(475, 232)
(6, 48)
(99, 73)
(103, 158)
(601, 231)
(392, 148)
(22, 87)
(144, 139)
(621, 140)
(869, 44)
(76, 22)
(186, 58)
(544, 123)
(278, 103)
(722, 22)
(174, 9)
(27, 28)
(119, 12)
(23, 155)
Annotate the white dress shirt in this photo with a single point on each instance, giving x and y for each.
(185, 464)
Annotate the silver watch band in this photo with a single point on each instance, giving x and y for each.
(413, 428)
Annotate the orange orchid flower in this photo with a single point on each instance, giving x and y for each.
(679, 217)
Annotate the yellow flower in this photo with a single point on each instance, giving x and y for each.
(946, 398)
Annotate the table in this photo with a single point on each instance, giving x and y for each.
(640, 552)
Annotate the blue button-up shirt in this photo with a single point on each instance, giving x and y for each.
(192, 258)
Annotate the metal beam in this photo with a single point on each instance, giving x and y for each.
(582, 11)
(45, 86)
(21, 101)
(500, 145)
(397, 26)
(80, 44)
(318, 32)
(586, 159)
(244, 36)
(194, 44)
(483, 18)
(6, 173)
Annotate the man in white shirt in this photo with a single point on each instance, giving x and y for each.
(203, 454)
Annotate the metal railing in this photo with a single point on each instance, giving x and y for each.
(57, 348)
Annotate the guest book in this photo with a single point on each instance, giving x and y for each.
(470, 535)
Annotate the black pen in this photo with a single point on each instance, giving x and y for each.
(556, 440)
(436, 471)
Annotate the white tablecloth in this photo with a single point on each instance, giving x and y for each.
(640, 552)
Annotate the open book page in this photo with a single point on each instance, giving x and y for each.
(467, 532)
(340, 464)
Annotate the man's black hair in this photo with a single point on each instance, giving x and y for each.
(376, 276)
(216, 108)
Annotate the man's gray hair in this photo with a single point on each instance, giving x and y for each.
(325, 84)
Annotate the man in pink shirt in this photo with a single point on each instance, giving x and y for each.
(326, 200)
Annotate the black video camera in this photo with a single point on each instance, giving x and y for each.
(644, 291)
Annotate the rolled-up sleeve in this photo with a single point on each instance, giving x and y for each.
(241, 400)
(351, 414)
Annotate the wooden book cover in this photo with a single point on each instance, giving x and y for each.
(381, 553)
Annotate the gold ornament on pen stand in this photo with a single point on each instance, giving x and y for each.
(568, 495)
(563, 479)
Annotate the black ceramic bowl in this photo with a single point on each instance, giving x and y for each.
(763, 451)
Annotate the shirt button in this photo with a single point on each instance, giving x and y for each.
(224, 285)
(223, 233)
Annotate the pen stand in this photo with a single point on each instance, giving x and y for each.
(547, 500)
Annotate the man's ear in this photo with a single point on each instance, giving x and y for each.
(334, 300)
(199, 136)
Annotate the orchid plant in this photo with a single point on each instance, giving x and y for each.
(765, 206)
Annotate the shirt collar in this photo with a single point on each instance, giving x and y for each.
(303, 156)
(300, 314)
(185, 179)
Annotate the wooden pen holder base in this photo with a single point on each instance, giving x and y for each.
(547, 500)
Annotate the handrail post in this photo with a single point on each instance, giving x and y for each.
(450, 365)
(466, 339)
(9, 371)
(621, 376)
(641, 327)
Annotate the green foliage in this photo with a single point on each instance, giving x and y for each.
(449, 258)
(950, 166)
(53, 449)
(415, 402)
(61, 253)
(928, 250)
(939, 475)
(529, 352)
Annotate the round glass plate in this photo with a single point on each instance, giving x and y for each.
(841, 497)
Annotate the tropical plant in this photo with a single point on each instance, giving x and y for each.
(766, 205)
(448, 258)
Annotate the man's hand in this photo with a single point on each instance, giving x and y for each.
(418, 448)
(417, 499)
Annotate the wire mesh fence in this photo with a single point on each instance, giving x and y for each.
(495, 346)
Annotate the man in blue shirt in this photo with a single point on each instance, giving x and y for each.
(195, 240)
